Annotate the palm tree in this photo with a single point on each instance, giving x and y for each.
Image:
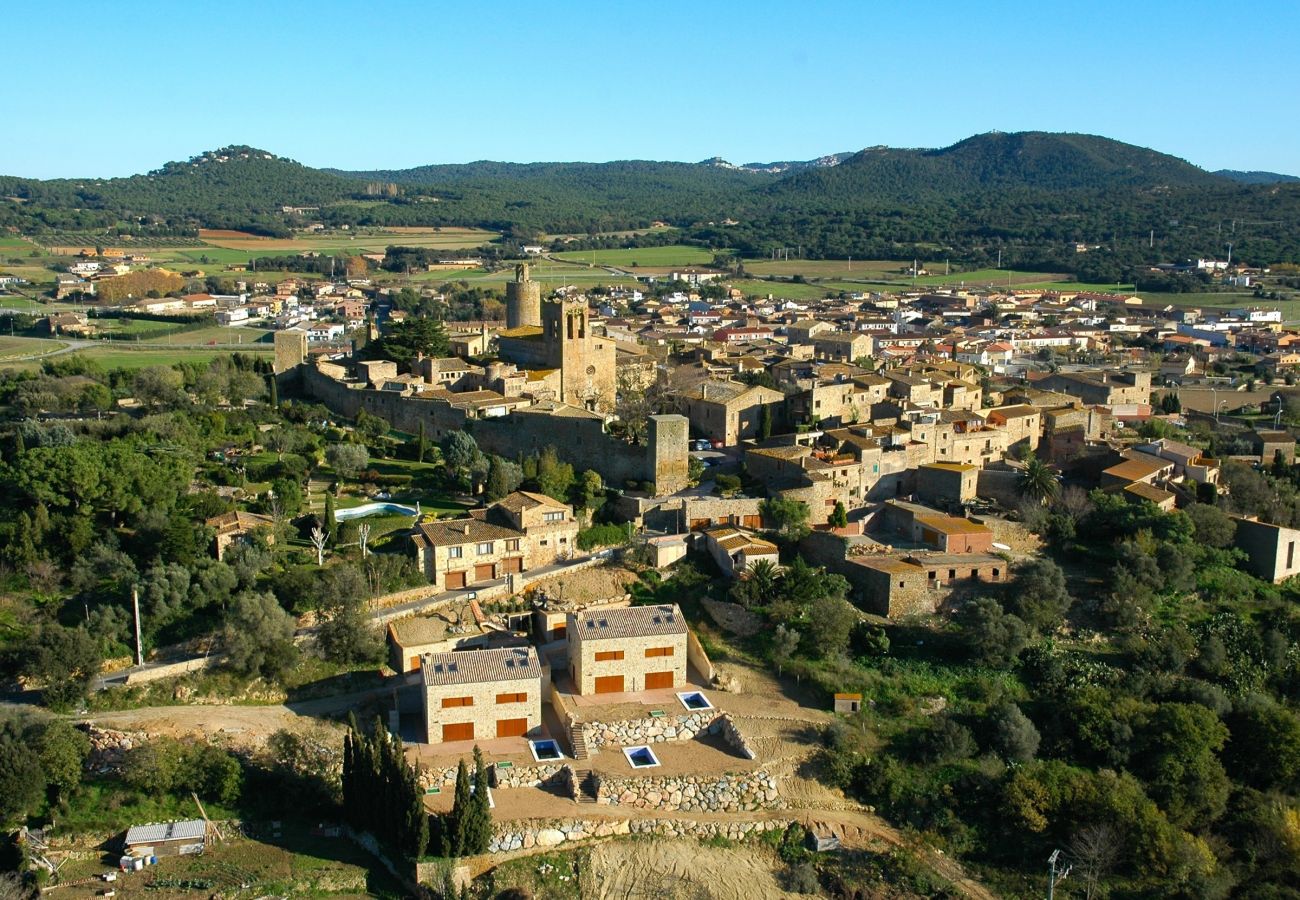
(1038, 481)
(758, 584)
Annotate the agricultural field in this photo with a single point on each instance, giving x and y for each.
(352, 242)
(114, 355)
(672, 255)
(785, 290)
(827, 268)
(19, 302)
(545, 272)
(290, 861)
(11, 347)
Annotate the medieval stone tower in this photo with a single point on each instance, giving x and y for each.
(586, 362)
(523, 299)
(290, 349)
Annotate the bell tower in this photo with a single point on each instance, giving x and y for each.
(523, 299)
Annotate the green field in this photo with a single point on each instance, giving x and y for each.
(653, 257)
(545, 272)
(828, 268)
(784, 290)
(24, 346)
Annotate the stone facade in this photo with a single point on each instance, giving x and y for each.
(632, 649)
(290, 349)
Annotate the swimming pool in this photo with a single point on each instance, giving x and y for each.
(546, 751)
(374, 509)
(641, 757)
(694, 700)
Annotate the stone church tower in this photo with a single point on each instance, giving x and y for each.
(523, 299)
(586, 362)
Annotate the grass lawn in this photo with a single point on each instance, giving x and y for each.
(24, 346)
(671, 255)
(783, 290)
(18, 301)
(111, 357)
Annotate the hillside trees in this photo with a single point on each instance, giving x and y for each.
(381, 791)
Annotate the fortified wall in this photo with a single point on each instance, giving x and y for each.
(581, 441)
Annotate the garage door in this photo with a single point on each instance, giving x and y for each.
(752, 521)
(513, 564)
(655, 680)
(484, 572)
(609, 684)
(512, 727)
(455, 580)
(460, 731)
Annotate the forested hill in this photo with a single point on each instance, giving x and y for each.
(235, 186)
(1032, 193)
(1256, 177)
(995, 161)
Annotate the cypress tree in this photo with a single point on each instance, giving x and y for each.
(459, 811)
(478, 834)
(331, 521)
(765, 422)
(275, 393)
(421, 444)
(20, 445)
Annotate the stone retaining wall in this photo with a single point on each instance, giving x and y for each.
(692, 793)
(510, 777)
(630, 732)
(683, 727)
(510, 836)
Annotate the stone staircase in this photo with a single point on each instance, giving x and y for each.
(577, 742)
(585, 786)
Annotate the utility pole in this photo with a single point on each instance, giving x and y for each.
(135, 608)
(1052, 877)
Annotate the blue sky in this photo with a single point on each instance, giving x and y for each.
(95, 90)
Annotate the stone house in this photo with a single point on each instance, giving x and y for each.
(728, 411)
(1271, 549)
(841, 347)
(482, 694)
(636, 648)
(1023, 425)
(238, 527)
(947, 484)
(735, 550)
(948, 534)
(520, 532)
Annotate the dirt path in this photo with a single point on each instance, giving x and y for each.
(240, 726)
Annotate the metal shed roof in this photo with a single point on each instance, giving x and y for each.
(190, 830)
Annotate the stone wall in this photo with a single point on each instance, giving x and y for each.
(555, 774)
(524, 836)
(685, 727)
(580, 441)
(692, 793)
(631, 732)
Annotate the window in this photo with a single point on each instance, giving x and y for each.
(651, 652)
(452, 702)
(545, 542)
(455, 552)
(608, 655)
(553, 517)
(512, 698)
(485, 548)
(512, 544)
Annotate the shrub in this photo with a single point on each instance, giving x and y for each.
(604, 536)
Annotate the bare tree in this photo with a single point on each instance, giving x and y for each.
(363, 537)
(1093, 850)
(318, 538)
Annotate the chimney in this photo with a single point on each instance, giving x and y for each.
(466, 528)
